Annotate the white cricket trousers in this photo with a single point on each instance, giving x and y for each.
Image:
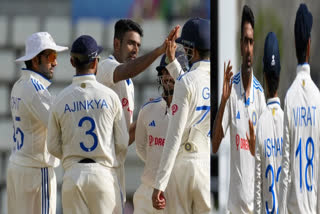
(90, 188)
(142, 201)
(188, 189)
(31, 190)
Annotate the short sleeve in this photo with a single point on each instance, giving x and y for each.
(106, 70)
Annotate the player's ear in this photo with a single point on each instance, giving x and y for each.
(35, 63)
(116, 44)
(94, 64)
(72, 62)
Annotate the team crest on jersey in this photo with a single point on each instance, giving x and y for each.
(254, 118)
(124, 102)
(174, 109)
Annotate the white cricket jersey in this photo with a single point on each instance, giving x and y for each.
(30, 103)
(174, 68)
(268, 158)
(190, 109)
(299, 182)
(151, 131)
(86, 121)
(123, 88)
(236, 115)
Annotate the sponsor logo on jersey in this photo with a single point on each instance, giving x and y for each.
(242, 143)
(38, 86)
(152, 123)
(156, 141)
(15, 103)
(150, 140)
(124, 102)
(174, 108)
(238, 115)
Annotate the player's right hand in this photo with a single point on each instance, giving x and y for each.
(251, 139)
(227, 82)
(158, 199)
(173, 35)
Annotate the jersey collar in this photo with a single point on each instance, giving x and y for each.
(81, 78)
(204, 64)
(243, 92)
(111, 57)
(303, 69)
(43, 80)
(273, 102)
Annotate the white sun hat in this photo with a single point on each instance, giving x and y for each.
(38, 42)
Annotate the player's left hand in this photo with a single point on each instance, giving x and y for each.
(158, 199)
(252, 139)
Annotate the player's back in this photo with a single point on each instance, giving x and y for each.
(196, 83)
(89, 115)
(268, 157)
(301, 140)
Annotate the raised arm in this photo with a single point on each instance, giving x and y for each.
(134, 67)
(218, 134)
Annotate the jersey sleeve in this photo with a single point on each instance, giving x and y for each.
(285, 163)
(141, 137)
(258, 175)
(174, 68)
(106, 71)
(174, 135)
(54, 135)
(226, 116)
(40, 104)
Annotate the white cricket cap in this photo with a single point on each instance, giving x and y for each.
(38, 42)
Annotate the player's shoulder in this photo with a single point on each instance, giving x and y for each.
(67, 91)
(150, 104)
(256, 85)
(110, 60)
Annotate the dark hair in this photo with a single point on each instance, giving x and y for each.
(79, 65)
(273, 83)
(247, 16)
(301, 51)
(204, 53)
(29, 62)
(124, 25)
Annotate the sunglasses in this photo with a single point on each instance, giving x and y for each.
(51, 57)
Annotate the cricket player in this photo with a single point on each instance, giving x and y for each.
(267, 145)
(31, 181)
(241, 101)
(299, 180)
(186, 154)
(151, 131)
(87, 131)
(117, 70)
